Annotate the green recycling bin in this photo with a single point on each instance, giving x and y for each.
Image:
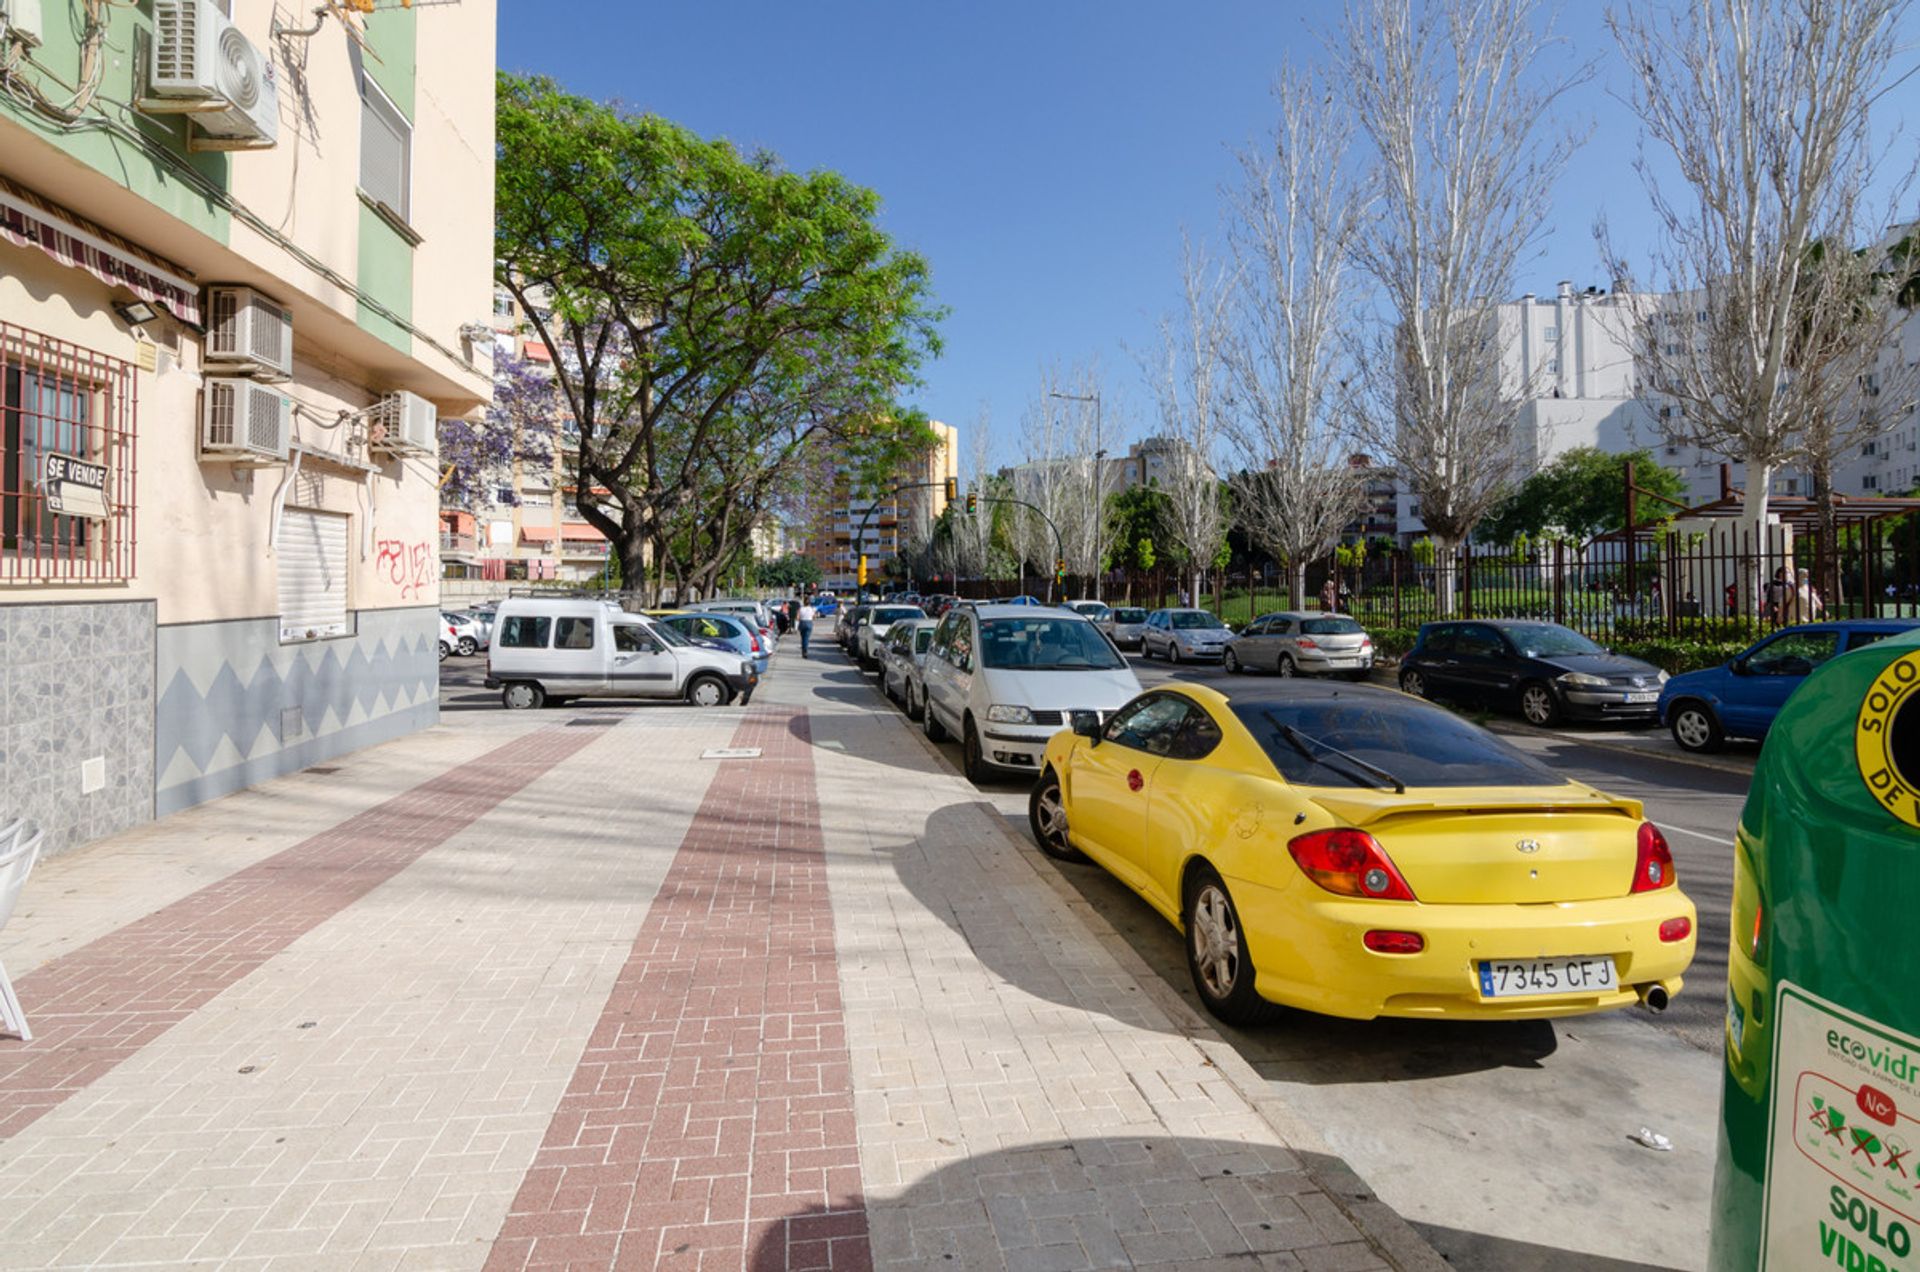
(1819, 1148)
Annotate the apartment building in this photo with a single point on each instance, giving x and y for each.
(241, 278)
(528, 526)
(880, 524)
(1569, 358)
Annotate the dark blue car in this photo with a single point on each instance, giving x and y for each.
(1739, 699)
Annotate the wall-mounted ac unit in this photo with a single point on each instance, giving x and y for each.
(202, 65)
(21, 20)
(244, 419)
(248, 333)
(404, 424)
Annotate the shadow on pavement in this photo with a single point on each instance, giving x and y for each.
(1484, 1253)
(1117, 1201)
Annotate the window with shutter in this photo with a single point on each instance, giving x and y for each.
(386, 151)
(312, 551)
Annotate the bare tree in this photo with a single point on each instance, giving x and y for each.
(1450, 104)
(974, 550)
(1764, 107)
(1292, 223)
(1190, 392)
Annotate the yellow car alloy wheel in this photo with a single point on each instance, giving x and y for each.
(1217, 953)
(1047, 817)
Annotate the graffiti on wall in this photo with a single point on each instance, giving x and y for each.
(409, 566)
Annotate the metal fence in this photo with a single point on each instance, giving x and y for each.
(1725, 584)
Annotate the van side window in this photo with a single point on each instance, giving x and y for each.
(943, 635)
(524, 631)
(574, 633)
(631, 638)
(960, 646)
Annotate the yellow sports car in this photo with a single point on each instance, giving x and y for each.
(1358, 852)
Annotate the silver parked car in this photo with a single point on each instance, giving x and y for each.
(1124, 625)
(1303, 643)
(1180, 634)
(903, 652)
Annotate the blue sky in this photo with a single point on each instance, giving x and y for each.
(1043, 154)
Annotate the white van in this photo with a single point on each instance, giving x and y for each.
(546, 651)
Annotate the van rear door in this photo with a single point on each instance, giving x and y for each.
(642, 666)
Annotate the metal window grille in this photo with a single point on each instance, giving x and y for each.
(59, 399)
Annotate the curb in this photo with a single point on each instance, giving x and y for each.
(1389, 1235)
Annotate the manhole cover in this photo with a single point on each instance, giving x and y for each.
(731, 753)
(324, 770)
(591, 722)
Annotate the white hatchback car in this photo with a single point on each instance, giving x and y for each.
(1005, 678)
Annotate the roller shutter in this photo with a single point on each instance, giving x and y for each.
(312, 550)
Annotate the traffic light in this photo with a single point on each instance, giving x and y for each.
(973, 503)
(1059, 571)
(863, 570)
(953, 489)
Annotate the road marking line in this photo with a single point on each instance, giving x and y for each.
(1698, 834)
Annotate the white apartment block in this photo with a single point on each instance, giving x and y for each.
(1570, 357)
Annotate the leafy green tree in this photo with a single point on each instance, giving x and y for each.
(1582, 493)
(789, 572)
(1138, 515)
(715, 319)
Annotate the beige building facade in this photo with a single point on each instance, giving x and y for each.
(236, 294)
(881, 524)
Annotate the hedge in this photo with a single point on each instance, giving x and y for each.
(1671, 654)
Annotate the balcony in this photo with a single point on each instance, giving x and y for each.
(465, 544)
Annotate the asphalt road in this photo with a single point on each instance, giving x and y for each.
(1509, 1145)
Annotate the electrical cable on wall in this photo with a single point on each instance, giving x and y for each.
(86, 111)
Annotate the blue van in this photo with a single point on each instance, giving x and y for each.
(1739, 699)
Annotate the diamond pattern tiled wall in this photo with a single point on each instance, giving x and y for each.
(76, 682)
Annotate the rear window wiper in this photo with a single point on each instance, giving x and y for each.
(1303, 744)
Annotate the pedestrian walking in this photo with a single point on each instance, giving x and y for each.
(805, 623)
(1329, 596)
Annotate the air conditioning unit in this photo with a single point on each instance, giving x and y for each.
(248, 333)
(245, 420)
(202, 65)
(404, 424)
(21, 20)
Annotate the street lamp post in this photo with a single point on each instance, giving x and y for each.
(1099, 458)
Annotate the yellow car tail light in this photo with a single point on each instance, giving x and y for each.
(1350, 862)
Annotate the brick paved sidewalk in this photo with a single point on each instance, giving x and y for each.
(551, 989)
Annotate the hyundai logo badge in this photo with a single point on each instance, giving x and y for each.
(1528, 845)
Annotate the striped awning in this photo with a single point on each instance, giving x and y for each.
(32, 221)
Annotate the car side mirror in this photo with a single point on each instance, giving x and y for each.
(1739, 667)
(1088, 728)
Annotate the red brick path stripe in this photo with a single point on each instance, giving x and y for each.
(95, 1006)
(710, 1123)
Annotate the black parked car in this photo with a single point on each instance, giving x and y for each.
(1544, 670)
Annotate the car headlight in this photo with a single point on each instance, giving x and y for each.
(1582, 680)
(746, 669)
(1002, 713)
(1662, 678)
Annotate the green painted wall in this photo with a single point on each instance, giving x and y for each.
(391, 34)
(386, 274)
(386, 258)
(122, 78)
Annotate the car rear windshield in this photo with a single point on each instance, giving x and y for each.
(1129, 616)
(1189, 619)
(1418, 744)
(888, 615)
(1549, 640)
(1046, 643)
(1329, 627)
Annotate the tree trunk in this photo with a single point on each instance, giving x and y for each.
(1446, 568)
(1753, 518)
(1297, 583)
(1826, 571)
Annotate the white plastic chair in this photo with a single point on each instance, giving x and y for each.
(19, 848)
